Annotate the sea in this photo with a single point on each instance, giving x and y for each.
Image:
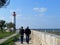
(53, 31)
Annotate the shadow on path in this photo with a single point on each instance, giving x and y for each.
(24, 42)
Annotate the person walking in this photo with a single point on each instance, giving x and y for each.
(27, 33)
(21, 34)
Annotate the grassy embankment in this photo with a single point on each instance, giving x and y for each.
(11, 40)
(5, 34)
(56, 33)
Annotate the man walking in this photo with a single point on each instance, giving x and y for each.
(22, 34)
(27, 33)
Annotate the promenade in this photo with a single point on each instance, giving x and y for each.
(41, 38)
(37, 38)
(24, 42)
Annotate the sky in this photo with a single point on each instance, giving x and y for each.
(33, 13)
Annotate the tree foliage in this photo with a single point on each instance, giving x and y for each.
(4, 3)
(10, 25)
(2, 24)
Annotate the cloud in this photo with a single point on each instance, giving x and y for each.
(16, 10)
(18, 13)
(41, 10)
(17, 17)
(2, 18)
(41, 14)
(36, 9)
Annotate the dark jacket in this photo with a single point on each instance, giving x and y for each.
(21, 32)
(27, 32)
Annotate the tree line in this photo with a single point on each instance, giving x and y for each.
(6, 26)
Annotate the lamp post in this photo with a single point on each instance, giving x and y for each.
(14, 15)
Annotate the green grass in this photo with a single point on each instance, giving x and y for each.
(11, 41)
(5, 34)
(56, 33)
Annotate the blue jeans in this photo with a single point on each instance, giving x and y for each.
(22, 39)
(27, 39)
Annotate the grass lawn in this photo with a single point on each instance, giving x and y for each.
(11, 41)
(56, 33)
(4, 34)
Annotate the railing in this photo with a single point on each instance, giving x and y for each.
(43, 38)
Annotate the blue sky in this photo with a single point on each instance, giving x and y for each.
(33, 13)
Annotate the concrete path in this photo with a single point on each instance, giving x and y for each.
(6, 38)
(24, 42)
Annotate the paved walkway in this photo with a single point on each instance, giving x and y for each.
(24, 43)
(6, 38)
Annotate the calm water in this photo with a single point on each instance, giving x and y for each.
(53, 31)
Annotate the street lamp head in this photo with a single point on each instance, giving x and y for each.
(14, 13)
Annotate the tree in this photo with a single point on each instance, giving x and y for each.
(2, 23)
(4, 3)
(10, 25)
